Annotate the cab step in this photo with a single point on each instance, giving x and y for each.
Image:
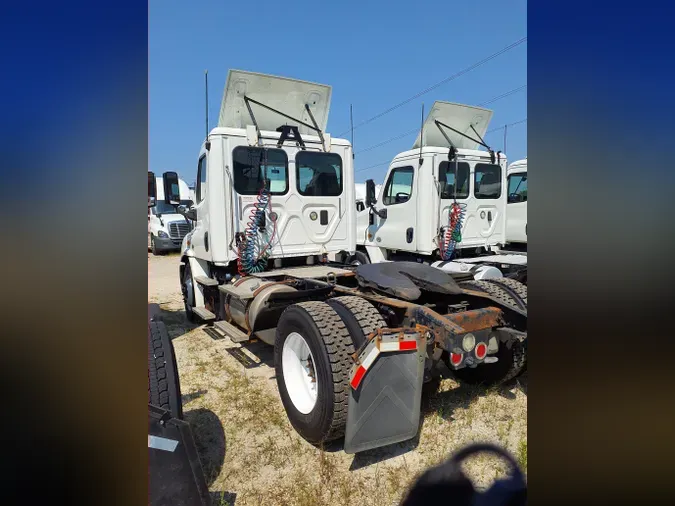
(204, 313)
(236, 335)
(206, 281)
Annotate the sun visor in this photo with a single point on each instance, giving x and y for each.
(288, 96)
(460, 117)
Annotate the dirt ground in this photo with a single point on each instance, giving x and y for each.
(251, 455)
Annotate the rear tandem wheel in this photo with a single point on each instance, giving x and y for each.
(311, 361)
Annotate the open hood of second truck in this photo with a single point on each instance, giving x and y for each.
(283, 94)
(460, 117)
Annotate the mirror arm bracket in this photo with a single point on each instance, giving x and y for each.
(382, 213)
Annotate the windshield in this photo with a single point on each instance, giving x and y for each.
(166, 208)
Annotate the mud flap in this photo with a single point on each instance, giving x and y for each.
(175, 473)
(385, 392)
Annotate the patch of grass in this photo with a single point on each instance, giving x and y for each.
(521, 455)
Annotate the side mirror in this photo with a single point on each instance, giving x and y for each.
(152, 189)
(190, 214)
(171, 188)
(370, 193)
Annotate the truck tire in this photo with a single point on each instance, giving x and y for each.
(187, 288)
(516, 286)
(312, 341)
(358, 258)
(153, 246)
(163, 383)
(359, 316)
(512, 361)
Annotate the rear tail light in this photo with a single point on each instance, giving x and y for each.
(456, 358)
(481, 351)
(468, 342)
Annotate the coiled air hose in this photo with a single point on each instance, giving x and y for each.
(252, 255)
(453, 232)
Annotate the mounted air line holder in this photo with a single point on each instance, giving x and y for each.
(385, 389)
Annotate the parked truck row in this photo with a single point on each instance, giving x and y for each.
(353, 344)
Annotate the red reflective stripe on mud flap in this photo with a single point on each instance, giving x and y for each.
(356, 380)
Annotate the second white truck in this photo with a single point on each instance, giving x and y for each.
(445, 200)
(166, 227)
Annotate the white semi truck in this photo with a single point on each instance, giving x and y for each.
(445, 199)
(166, 227)
(516, 204)
(353, 345)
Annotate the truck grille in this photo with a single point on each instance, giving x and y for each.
(178, 230)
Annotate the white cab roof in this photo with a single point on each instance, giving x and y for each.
(519, 164)
(268, 134)
(460, 117)
(283, 94)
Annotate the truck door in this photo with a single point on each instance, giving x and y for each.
(201, 242)
(397, 230)
(484, 220)
(320, 181)
(516, 208)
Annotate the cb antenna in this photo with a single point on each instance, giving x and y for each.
(351, 126)
(422, 136)
(206, 89)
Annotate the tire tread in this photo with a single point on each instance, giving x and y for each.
(339, 347)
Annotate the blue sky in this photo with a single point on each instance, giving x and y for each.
(375, 54)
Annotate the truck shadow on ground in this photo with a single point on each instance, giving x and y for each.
(250, 355)
(223, 498)
(209, 437)
(175, 321)
(185, 398)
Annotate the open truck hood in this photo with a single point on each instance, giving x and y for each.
(460, 117)
(281, 93)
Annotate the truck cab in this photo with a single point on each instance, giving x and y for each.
(166, 226)
(412, 211)
(273, 189)
(516, 207)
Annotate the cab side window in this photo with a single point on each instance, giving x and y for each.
(399, 186)
(201, 179)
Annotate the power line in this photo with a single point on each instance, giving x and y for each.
(392, 139)
(372, 166)
(508, 125)
(446, 80)
(410, 132)
(503, 95)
